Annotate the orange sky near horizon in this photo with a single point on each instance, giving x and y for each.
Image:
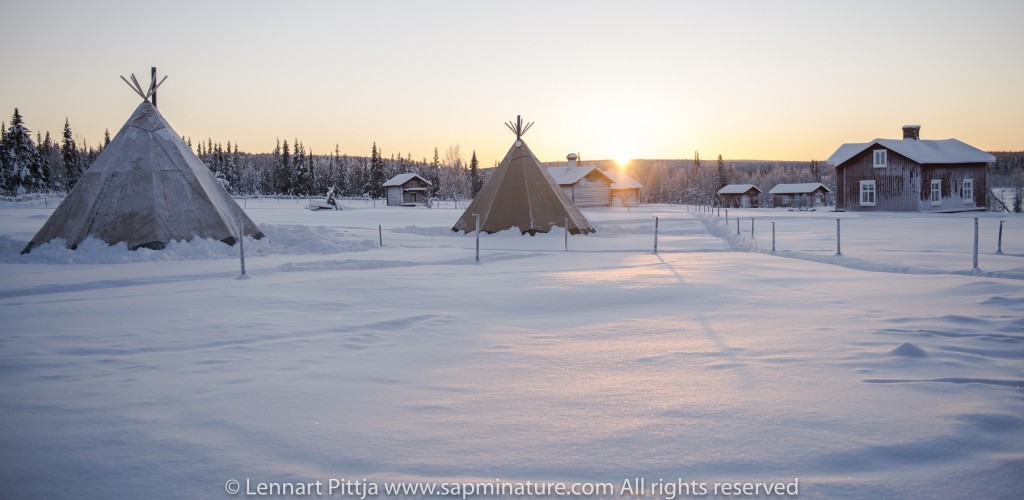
(608, 80)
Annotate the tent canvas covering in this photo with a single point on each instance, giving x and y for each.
(522, 194)
(146, 188)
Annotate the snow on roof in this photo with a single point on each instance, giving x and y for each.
(802, 188)
(400, 179)
(622, 180)
(571, 175)
(738, 189)
(920, 151)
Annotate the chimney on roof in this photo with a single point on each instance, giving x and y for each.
(912, 132)
(572, 157)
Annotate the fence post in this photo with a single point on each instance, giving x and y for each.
(999, 249)
(737, 225)
(655, 235)
(241, 245)
(726, 215)
(773, 236)
(975, 244)
(566, 234)
(751, 227)
(380, 235)
(477, 236)
(839, 249)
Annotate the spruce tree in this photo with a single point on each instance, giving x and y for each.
(70, 158)
(3, 155)
(285, 172)
(723, 178)
(19, 156)
(376, 173)
(298, 172)
(435, 174)
(474, 175)
(43, 168)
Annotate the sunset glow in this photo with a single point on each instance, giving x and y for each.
(748, 80)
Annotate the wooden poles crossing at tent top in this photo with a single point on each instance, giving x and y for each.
(518, 128)
(153, 85)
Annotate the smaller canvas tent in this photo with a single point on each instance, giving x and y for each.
(146, 188)
(522, 194)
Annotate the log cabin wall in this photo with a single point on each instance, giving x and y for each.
(394, 196)
(593, 190)
(626, 197)
(952, 177)
(897, 186)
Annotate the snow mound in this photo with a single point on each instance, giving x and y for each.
(281, 239)
(95, 251)
(909, 350)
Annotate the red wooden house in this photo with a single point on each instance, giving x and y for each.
(910, 175)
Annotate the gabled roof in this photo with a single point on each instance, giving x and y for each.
(921, 151)
(738, 189)
(622, 180)
(802, 188)
(565, 176)
(401, 179)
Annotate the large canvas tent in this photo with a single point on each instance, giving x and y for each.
(522, 194)
(146, 188)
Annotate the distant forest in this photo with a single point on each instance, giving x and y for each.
(47, 165)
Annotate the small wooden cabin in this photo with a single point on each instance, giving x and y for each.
(591, 186)
(739, 196)
(625, 189)
(407, 190)
(804, 195)
(910, 175)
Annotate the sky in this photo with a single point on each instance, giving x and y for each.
(786, 80)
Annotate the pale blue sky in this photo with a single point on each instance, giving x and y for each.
(645, 79)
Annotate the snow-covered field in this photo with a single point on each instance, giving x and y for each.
(892, 371)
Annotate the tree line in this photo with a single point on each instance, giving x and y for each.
(292, 169)
(44, 165)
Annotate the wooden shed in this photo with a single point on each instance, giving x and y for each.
(910, 175)
(592, 186)
(803, 195)
(739, 196)
(625, 189)
(407, 190)
(586, 186)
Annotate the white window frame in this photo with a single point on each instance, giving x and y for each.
(880, 158)
(935, 195)
(967, 191)
(868, 188)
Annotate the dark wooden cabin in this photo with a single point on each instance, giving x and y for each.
(805, 195)
(407, 190)
(910, 175)
(739, 196)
